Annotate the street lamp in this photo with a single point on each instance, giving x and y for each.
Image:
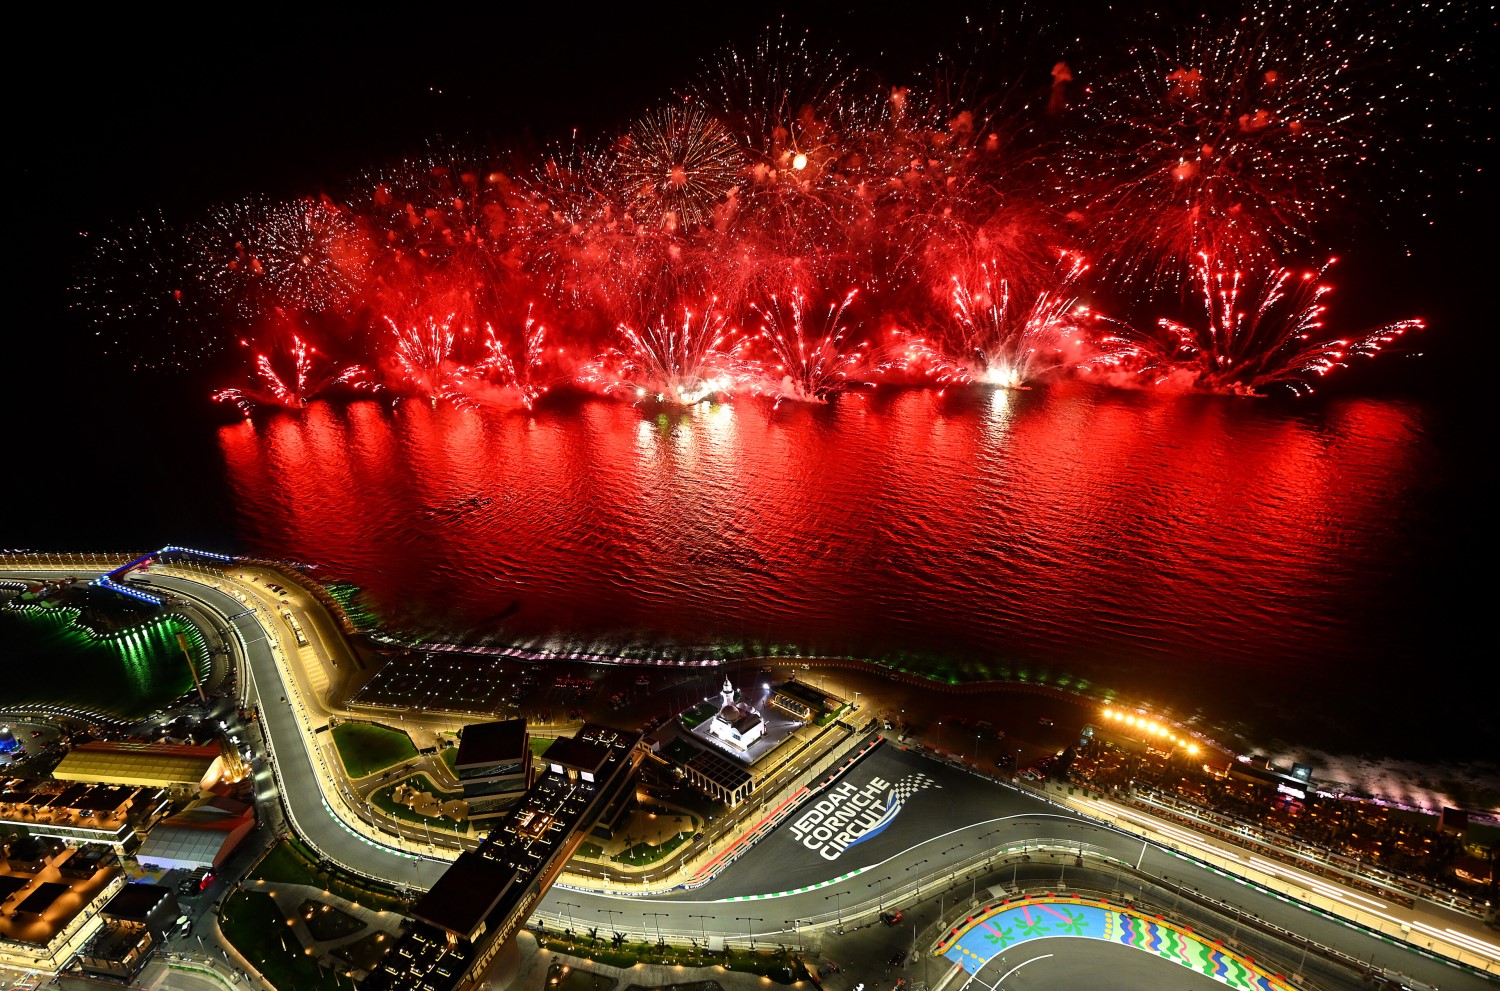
(746, 918)
(919, 877)
(838, 907)
(659, 916)
(702, 927)
(880, 895)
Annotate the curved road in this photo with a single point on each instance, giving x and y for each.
(953, 827)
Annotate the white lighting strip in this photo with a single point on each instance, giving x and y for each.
(1454, 937)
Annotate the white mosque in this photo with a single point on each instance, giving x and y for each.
(736, 723)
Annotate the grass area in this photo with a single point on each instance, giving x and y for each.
(253, 923)
(539, 746)
(829, 717)
(369, 747)
(680, 751)
(287, 861)
(293, 863)
(590, 849)
(326, 922)
(698, 713)
(780, 964)
(450, 757)
(644, 853)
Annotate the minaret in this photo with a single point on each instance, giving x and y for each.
(726, 694)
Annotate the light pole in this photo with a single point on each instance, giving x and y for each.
(798, 931)
(880, 894)
(752, 921)
(659, 916)
(838, 907)
(570, 907)
(919, 877)
(702, 927)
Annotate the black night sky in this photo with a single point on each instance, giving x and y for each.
(184, 114)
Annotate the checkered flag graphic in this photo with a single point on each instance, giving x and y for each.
(910, 785)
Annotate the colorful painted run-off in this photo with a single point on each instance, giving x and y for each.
(985, 936)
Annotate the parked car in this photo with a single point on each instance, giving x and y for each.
(891, 918)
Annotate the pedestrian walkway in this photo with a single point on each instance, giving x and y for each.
(290, 898)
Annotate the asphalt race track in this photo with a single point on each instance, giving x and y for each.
(930, 801)
(897, 829)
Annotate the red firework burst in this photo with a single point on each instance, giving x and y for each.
(1261, 329)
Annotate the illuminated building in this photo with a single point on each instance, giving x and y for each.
(486, 896)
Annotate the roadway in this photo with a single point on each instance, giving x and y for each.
(800, 878)
(300, 764)
(957, 837)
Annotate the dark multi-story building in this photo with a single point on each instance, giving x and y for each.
(494, 766)
(480, 902)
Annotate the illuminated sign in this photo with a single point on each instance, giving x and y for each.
(848, 815)
(1289, 790)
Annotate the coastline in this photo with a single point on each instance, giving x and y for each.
(1419, 786)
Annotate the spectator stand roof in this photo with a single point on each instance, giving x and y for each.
(139, 763)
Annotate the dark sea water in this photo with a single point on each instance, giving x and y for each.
(1296, 566)
(1263, 561)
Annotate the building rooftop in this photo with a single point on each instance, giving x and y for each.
(483, 744)
(42, 897)
(201, 835)
(481, 897)
(136, 901)
(137, 763)
(580, 755)
(722, 771)
(814, 698)
(465, 894)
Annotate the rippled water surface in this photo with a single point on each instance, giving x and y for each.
(1269, 560)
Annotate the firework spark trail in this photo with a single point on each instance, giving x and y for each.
(681, 362)
(812, 366)
(787, 175)
(315, 256)
(528, 378)
(140, 294)
(425, 360)
(998, 337)
(1242, 139)
(678, 165)
(1260, 331)
(290, 376)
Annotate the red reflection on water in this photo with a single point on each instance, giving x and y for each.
(1067, 526)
